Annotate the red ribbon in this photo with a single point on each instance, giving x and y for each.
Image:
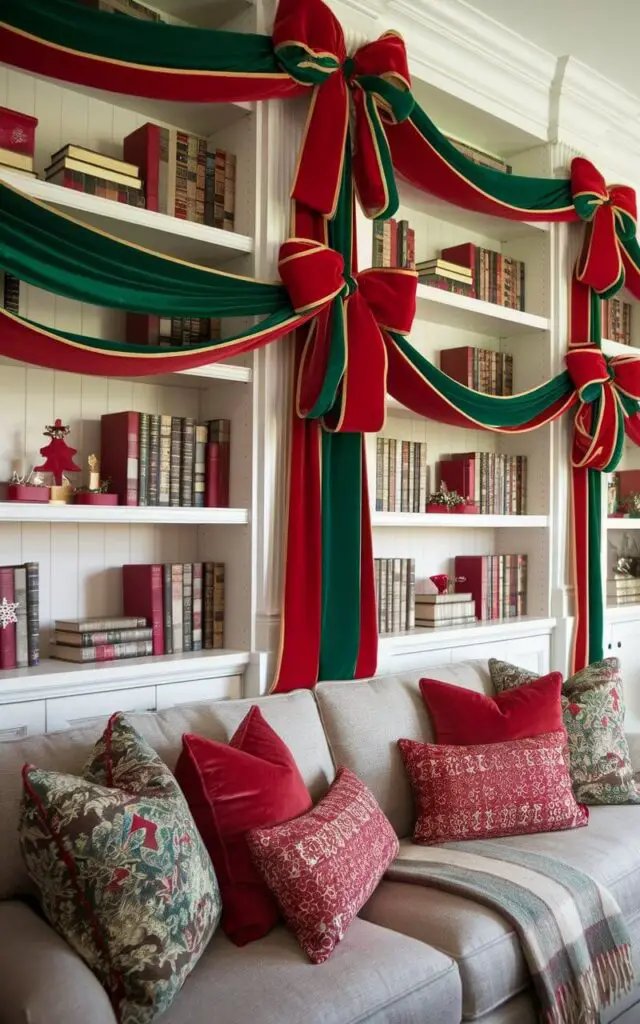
(610, 212)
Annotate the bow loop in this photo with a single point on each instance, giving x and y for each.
(312, 273)
(390, 293)
(610, 214)
(607, 389)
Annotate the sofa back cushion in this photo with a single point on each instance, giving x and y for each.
(364, 721)
(294, 717)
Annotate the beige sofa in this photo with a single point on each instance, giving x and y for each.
(415, 955)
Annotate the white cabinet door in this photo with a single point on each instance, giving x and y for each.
(24, 719)
(530, 652)
(625, 644)
(90, 708)
(198, 691)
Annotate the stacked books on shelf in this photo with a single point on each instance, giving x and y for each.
(394, 244)
(401, 475)
(86, 640)
(142, 329)
(442, 611)
(182, 177)
(130, 8)
(447, 275)
(496, 278)
(497, 584)
(495, 483)
(19, 615)
(182, 603)
(616, 320)
(17, 141)
(623, 590)
(170, 461)
(10, 293)
(480, 156)
(479, 368)
(96, 174)
(395, 593)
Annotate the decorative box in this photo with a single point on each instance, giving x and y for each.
(89, 498)
(470, 509)
(17, 131)
(26, 492)
(440, 509)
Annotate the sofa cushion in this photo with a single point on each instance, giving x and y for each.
(364, 721)
(483, 943)
(294, 716)
(375, 976)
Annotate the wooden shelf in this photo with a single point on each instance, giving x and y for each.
(203, 13)
(623, 524)
(616, 348)
(198, 243)
(23, 512)
(453, 310)
(475, 632)
(452, 521)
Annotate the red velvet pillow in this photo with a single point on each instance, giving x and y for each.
(253, 781)
(324, 866)
(461, 716)
(490, 790)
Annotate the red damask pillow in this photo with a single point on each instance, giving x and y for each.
(231, 788)
(491, 790)
(323, 866)
(461, 716)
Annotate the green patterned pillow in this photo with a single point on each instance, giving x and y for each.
(593, 711)
(122, 872)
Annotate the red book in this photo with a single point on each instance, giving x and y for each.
(119, 440)
(17, 131)
(411, 249)
(458, 364)
(142, 147)
(8, 657)
(217, 465)
(464, 255)
(142, 329)
(474, 569)
(393, 224)
(628, 483)
(459, 475)
(142, 597)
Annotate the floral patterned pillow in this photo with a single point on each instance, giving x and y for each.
(593, 712)
(122, 872)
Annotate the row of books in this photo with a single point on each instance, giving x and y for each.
(130, 8)
(19, 615)
(142, 329)
(166, 460)
(495, 483)
(394, 244)
(10, 293)
(480, 156)
(442, 611)
(87, 640)
(623, 590)
(482, 369)
(401, 475)
(395, 593)
(616, 320)
(495, 278)
(182, 603)
(497, 584)
(447, 275)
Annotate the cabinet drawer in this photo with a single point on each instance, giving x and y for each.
(198, 691)
(89, 708)
(24, 719)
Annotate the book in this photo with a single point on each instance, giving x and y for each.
(90, 156)
(218, 188)
(102, 652)
(187, 606)
(142, 148)
(401, 475)
(175, 461)
(164, 461)
(142, 598)
(218, 464)
(119, 441)
(144, 441)
(97, 186)
(437, 273)
(8, 657)
(187, 460)
(99, 638)
(218, 605)
(99, 625)
(16, 161)
(22, 631)
(66, 163)
(154, 459)
(167, 171)
(498, 584)
(11, 293)
(395, 594)
(480, 156)
(461, 620)
(17, 131)
(440, 264)
(198, 581)
(200, 465)
(177, 623)
(33, 612)
(229, 204)
(207, 605)
(437, 599)
(445, 612)
(167, 601)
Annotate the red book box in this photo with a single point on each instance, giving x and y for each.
(17, 131)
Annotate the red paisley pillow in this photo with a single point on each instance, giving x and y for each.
(462, 716)
(491, 790)
(323, 866)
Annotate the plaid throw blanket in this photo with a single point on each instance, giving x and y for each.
(574, 940)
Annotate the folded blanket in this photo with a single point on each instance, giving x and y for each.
(572, 934)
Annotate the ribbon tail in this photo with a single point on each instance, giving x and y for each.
(631, 260)
(361, 401)
(372, 164)
(368, 652)
(323, 363)
(600, 261)
(320, 164)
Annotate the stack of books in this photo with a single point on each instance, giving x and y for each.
(395, 592)
(17, 141)
(447, 275)
(401, 475)
(182, 178)
(177, 332)
(497, 583)
(83, 640)
(19, 615)
(130, 8)
(479, 368)
(166, 460)
(623, 590)
(10, 293)
(616, 320)
(394, 244)
(183, 604)
(495, 483)
(441, 611)
(96, 174)
(496, 278)
(480, 156)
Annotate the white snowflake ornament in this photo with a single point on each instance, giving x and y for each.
(8, 615)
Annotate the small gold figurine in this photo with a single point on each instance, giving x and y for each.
(94, 473)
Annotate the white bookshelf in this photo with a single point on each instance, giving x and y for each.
(456, 521)
(467, 314)
(23, 512)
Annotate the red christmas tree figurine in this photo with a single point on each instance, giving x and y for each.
(58, 454)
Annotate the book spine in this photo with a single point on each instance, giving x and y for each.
(379, 465)
(89, 625)
(22, 631)
(187, 461)
(175, 461)
(112, 636)
(154, 460)
(209, 185)
(199, 474)
(119, 454)
(142, 592)
(167, 591)
(176, 608)
(404, 596)
(197, 607)
(218, 606)
(33, 612)
(8, 633)
(229, 193)
(143, 459)
(187, 606)
(208, 574)
(411, 593)
(164, 461)
(11, 294)
(218, 196)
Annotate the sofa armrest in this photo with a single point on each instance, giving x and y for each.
(42, 980)
(633, 739)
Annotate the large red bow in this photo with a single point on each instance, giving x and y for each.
(611, 214)
(310, 45)
(601, 417)
(343, 371)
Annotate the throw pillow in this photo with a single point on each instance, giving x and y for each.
(323, 866)
(462, 716)
(491, 790)
(593, 711)
(253, 781)
(122, 872)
